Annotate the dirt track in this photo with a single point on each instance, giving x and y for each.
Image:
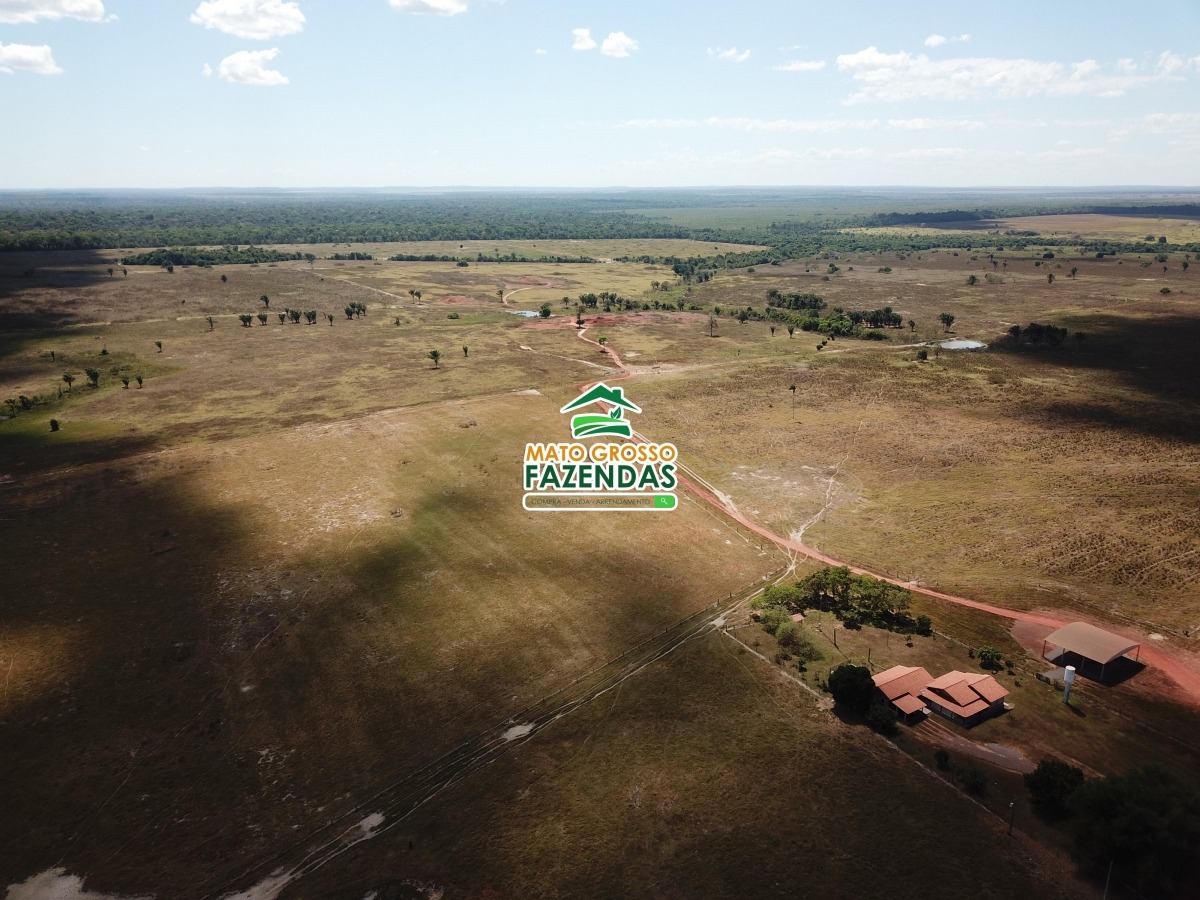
(1184, 673)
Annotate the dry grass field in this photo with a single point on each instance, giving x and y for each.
(292, 566)
(1108, 227)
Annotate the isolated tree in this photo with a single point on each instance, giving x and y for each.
(266, 301)
(464, 350)
(310, 258)
(158, 344)
(989, 657)
(125, 381)
(947, 319)
(1049, 278)
(544, 312)
(1074, 269)
(211, 323)
(294, 315)
(69, 379)
(500, 294)
(912, 326)
(170, 269)
(246, 319)
(772, 327)
(138, 379)
(282, 317)
(224, 278)
(416, 294)
(791, 329)
(743, 317)
(435, 355)
(262, 317)
(1184, 264)
(110, 272)
(712, 325)
(311, 316)
(93, 376)
(1051, 785)
(852, 687)
(124, 271)
(971, 279)
(54, 424)
(329, 316)
(412, 293)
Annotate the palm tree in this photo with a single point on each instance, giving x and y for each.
(266, 301)
(947, 319)
(464, 350)
(435, 355)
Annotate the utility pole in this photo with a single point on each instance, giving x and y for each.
(793, 390)
(1012, 813)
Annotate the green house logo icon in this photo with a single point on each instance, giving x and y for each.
(595, 424)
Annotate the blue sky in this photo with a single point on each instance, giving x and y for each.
(307, 93)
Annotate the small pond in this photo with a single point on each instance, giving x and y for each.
(962, 344)
(527, 313)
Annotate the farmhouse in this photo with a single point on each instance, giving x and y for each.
(965, 697)
(1087, 643)
(902, 685)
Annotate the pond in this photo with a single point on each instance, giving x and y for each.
(527, 313)
(962, 344)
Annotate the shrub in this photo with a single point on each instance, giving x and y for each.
(452, 316)
(973, 780)
(922, 355)
(1051, 785)
(882, 717)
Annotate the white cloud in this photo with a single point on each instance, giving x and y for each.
(583, 39)
(801, 65)
(206, 71)
(618, 44)
(250, 67)
(539, 52)
(430, 7)
(933, 124)
(20, 12)
(775, 126)
(28, 58)
(1187, 124)
(891, 77)
(251, 19)
(936, 40)
(730, 55)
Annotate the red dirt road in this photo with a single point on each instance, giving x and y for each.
(1185, 673)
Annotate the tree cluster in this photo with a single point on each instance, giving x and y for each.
(207, 256)
(859, 600)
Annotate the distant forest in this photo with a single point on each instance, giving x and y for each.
(790, 222)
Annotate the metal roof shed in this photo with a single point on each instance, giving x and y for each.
(1092, 643)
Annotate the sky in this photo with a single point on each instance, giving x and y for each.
(579, 94)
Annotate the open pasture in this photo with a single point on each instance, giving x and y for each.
(296, 566)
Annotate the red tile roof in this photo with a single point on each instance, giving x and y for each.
(964, 693)
(901, 685)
